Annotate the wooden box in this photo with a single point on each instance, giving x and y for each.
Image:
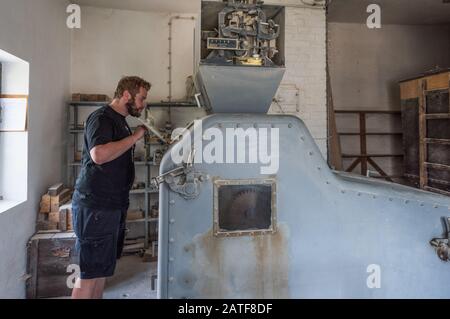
(49, 256)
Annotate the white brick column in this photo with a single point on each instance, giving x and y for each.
(305, 52)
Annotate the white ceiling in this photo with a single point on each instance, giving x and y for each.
(392, 11)
(175, 6)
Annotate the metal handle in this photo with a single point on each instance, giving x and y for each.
(198, 100)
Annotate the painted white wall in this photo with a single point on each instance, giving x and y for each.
(15, 78)
(365, 67)
(113, 43)
(35, 31)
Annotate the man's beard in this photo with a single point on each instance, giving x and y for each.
(132, 109)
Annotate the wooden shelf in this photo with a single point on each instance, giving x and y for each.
(88, 104)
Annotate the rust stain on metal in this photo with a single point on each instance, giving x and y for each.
(272, 265)
(240, 267)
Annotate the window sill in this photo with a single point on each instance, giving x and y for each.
(6, 205)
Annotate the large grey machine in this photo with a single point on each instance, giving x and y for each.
(239, 230)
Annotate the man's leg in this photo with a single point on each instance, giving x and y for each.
(84, 288)
(99, 288)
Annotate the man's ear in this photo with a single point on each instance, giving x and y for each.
(126, 95)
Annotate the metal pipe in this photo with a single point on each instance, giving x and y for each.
(170, 53)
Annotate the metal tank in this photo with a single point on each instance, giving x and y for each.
(242, 230)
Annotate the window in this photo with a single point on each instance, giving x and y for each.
(244, 207)
(14, 87)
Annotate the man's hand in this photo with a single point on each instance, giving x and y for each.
(140, 132)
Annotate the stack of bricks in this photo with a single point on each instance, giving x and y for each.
(56, 210)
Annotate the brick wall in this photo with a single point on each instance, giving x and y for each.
(305, 53)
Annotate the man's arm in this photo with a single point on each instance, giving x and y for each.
(102, 154)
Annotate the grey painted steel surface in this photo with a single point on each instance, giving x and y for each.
(238, 89)
(330, 228)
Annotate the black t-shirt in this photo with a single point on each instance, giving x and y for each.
(107, 185)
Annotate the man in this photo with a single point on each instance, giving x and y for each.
(101, 196)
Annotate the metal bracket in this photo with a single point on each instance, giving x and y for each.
(442, 244)
(183, 180)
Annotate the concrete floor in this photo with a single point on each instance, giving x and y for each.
(132, 280)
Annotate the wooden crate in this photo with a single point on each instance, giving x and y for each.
(49, 255)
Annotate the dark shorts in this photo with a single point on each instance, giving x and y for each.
(100, 238)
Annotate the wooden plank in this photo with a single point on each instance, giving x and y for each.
(69, 221)
(353, 166)
(57, 201)
(45, 204)
(370, 133)
(409, 90)
(378, 168)
(56, 189)
(335, 151)
(441, 116)
(436, 190)
(438, 166)
(62, 224)
(370, 155)
(437, 141)
(437, 81)
(53, 217)
(422, 134)
(363, 143)
(32, 264)
(368, 112)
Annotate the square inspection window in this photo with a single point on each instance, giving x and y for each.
(244, 207)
